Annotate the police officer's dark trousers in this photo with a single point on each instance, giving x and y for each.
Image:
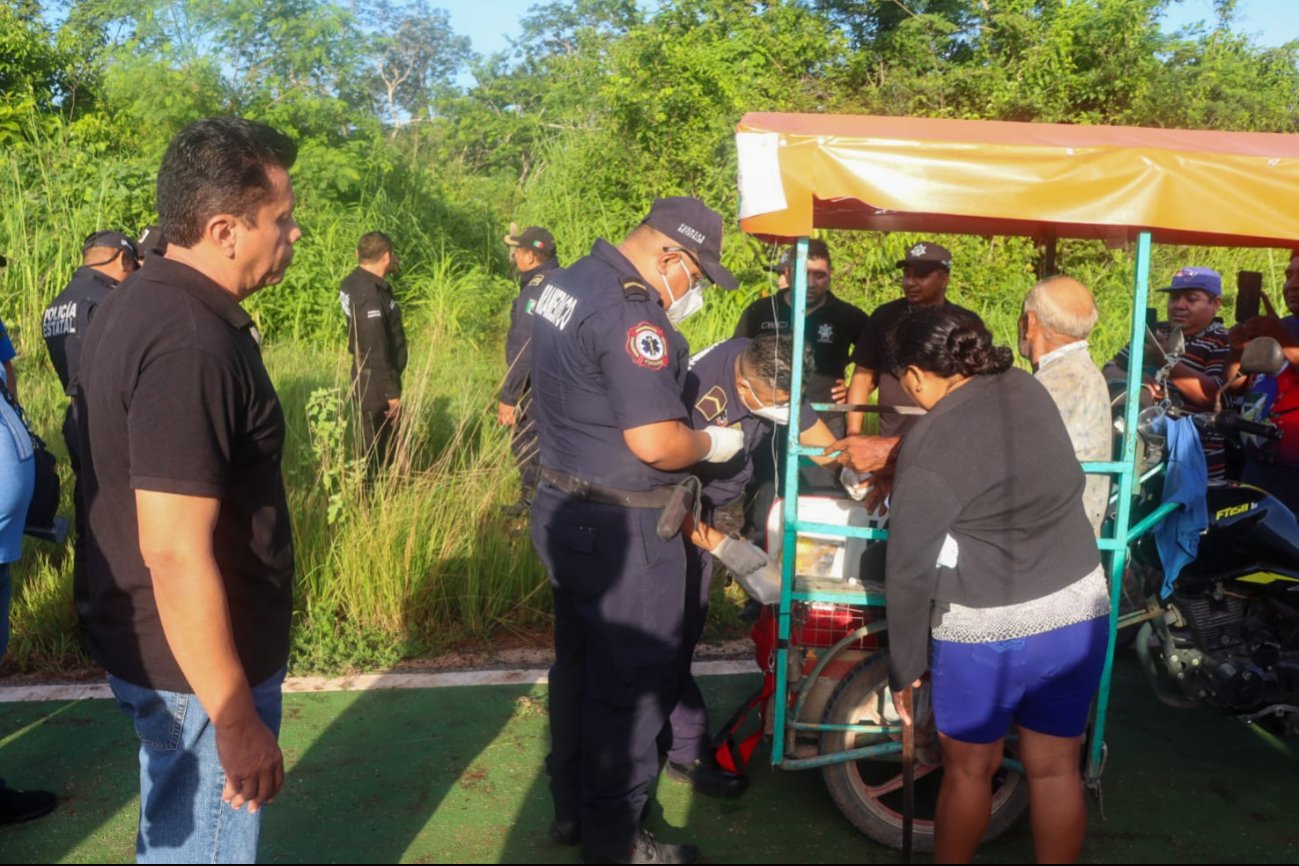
(526, 448)
(686, 736)
(619, 595)
(80, 542)
(376, 437)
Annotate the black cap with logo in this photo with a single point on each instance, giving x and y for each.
(928, 256)
(534, 238)
(697, 229)
(110, 240)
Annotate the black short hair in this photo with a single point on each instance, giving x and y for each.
(945, 341)
(770, 359)
(816, 249)
(217, 166)
(372, 246)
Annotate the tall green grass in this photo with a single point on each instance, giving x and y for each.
(423, 559)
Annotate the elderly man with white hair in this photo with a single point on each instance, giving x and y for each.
(1058, 316)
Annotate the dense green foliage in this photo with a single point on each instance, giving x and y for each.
(600, 106)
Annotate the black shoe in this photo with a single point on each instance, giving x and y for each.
(518, 509)
(565, 832)
(19, 806)
(647, 850)
(708, 778)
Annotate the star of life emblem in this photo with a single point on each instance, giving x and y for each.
(647, 345)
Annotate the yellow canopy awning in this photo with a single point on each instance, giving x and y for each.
(800, 171)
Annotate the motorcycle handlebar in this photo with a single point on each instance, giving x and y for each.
(1229, 423)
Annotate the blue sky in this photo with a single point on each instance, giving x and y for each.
(488, 23)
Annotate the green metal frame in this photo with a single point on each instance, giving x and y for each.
(1114, 545)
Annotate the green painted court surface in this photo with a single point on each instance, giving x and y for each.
(454, 775)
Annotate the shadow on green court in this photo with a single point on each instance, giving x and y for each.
(454, 775)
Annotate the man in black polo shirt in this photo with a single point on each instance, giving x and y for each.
(377, 341)
(925, 274)
(191, 556)
(107, 258)
(830, 328)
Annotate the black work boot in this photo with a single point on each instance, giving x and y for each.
(647, 850)
(707, 778)
(568, 831)
(565, 832)
(19, 806)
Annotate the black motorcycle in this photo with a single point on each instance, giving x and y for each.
(1227, 635)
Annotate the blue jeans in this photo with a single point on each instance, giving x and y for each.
(182, 816)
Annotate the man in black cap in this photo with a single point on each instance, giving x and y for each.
(608, 378)
(377, 341)
(107, 258)
(926, 270)
(533, 254)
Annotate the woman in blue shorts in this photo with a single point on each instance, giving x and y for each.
(993, 580)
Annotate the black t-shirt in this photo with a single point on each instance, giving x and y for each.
(830, 331)
(67, 319)
(176, 399)
(869, 355)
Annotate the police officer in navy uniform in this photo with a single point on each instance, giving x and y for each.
(608, 372)
(107, 258)
(533, 254)
(744, 384)
(377, 341)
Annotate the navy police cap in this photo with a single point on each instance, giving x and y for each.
(111, 240)
(927, 256)
(696, 228)
(533, 238)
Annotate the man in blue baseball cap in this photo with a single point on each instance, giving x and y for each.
(1193, 301)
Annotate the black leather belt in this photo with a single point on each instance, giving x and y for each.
(588, 492)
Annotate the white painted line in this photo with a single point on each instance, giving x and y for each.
(361, 682)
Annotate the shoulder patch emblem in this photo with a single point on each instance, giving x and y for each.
(647, 346)
(527, 308)
(712, 404)
(535, 281)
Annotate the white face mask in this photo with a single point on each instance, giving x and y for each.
(688, 304)
(775, 414)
